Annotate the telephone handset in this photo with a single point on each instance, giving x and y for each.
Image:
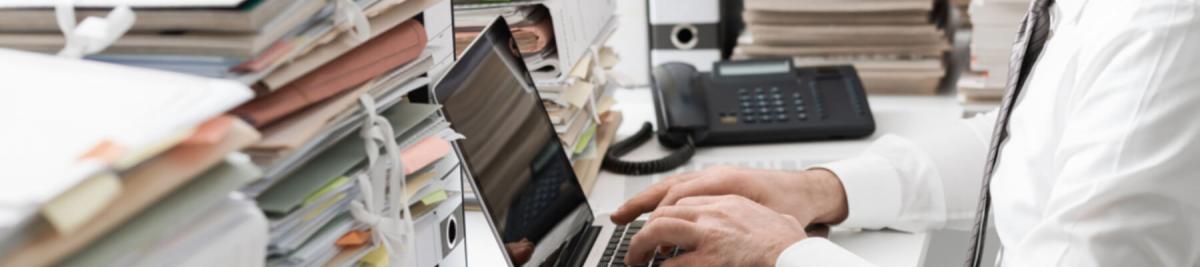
(741, 102)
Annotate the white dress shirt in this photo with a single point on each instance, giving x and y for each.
(1102, 165)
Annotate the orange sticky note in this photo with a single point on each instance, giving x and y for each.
(106, 151)
(423, 153)
(354, 238)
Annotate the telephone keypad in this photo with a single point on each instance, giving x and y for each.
(768, 105)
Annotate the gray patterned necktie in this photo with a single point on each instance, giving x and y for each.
(1030, 41)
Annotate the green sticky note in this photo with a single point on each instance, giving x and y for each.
(325, 189)
(434, 197)
(584, 139)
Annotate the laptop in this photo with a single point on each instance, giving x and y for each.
(518, 168)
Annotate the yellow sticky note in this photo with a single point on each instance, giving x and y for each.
(434, 197)
(326, 189)
(67, 212)
(376, 258)
(416, 183)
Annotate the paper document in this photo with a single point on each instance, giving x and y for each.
(131, 3)
(58, 110)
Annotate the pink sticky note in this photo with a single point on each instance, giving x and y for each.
(424, 153)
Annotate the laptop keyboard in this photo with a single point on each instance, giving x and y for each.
(618, 245)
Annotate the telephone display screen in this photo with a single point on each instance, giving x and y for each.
(758, 68)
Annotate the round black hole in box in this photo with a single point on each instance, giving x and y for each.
(451, 231)
(685, 35)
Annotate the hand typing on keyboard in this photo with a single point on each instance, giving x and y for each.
(812, 197)
(726, 230)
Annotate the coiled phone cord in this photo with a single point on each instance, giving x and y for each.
(614, 163)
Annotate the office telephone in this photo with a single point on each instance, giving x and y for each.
(743, 102)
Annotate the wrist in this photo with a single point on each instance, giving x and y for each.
(828, 196)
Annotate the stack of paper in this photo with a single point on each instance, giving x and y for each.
(312, 145)
(204, 37)
(553, 35)
(996, 23)
(578, 97)
(309, 208)
(898, 46)
(532, 28)
(264, 43)
(306, 74)
(112, 157)
(219, 227)
(575, 107)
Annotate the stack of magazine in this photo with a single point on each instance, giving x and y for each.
(898, 46)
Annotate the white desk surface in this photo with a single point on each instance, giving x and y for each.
(893, 114)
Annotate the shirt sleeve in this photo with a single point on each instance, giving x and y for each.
(818, 252)
(919, 181)
(1126, 164)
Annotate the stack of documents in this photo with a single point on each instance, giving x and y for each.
(308, 74)
(996, 23)
(581, 111)
(578, 93)
(553, 35)
(264, 43)
(532, 28)
(312, 147)
(898, 46)
(575, 107)
(113, 159)
(308, 208)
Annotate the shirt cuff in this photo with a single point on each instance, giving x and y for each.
(872, 190)
(816, 251)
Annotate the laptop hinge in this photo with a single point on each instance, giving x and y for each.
(580, 247)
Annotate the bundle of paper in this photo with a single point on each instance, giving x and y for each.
(309, 208)
(581, 111)
(575, 108)
(311, 84)
(289, 40)
(897, 46)
(154, 235)
(532, 29)
(202, 15)
(312, 147)
(113, 162)
(294, 142)
(317, 104)
(388, 52)
(996, 23)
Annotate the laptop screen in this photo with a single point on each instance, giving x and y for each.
(512, 153)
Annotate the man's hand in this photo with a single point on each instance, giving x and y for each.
(724, 230)
(814, 196)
